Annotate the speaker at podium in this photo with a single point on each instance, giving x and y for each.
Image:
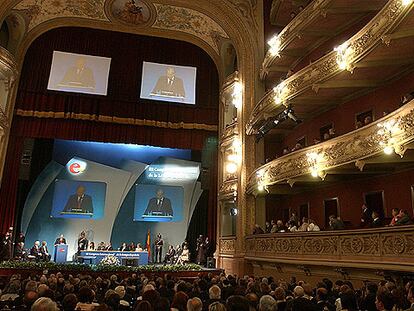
(61, 253)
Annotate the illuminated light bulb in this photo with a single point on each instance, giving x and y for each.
(274, 44)
(406, 2)
(231, 167)
(234, 158)
(260, 187)
(388, 150)
(237, 95)
(314, 172)
(343, 53)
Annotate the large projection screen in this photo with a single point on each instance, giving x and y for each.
(79, 73)
(169, 83)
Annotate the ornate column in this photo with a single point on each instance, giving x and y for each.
(8, 75)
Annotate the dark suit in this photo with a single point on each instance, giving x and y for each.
(159, 207)
(35, 251)
(60, 241)
(376, 223)
(77, 204)
(45, 253)
(166, 87)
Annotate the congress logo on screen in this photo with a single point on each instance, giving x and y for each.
(76, 167)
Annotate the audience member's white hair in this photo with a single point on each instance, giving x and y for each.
(299, 291)
(265, 280)
(194, 304)
(44, 304)
(120, 290)
(267, 303)
(214, 292)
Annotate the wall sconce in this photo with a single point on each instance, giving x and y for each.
(343, 55)
(261, 184)
(280, 92)
(231, 167)
(237, 95)
(315, 159)
(274, 44)
(388, 132)
(234, 158)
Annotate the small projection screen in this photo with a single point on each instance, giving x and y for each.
(79, 73)
(169, 83)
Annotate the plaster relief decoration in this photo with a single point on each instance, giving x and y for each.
(39, 11)
(191, 22)
(134, 12)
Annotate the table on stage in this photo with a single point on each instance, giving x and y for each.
(126, 258)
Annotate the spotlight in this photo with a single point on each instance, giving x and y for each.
(388, 150)
(314, 172)
(234, 211)
(231, 167)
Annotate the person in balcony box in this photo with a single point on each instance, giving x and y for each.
(313, 226)
(336, 223)
(257, 229)
(304, 225)
(395, 216)
(376, 220)
(404, 219)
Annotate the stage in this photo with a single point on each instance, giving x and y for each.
(25, 269)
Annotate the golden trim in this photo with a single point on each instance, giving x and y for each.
(351, 147)
(116, 120)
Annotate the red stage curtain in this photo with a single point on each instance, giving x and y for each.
(8, 189)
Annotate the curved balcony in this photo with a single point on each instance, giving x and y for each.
(375, 55)
(347, 153)
(389, 248)
(313, 26)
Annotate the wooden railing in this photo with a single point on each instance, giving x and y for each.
(388, 248)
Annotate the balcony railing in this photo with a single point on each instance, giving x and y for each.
(355, 146)
(389, 248)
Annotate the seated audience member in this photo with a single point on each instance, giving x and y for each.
(132, 246)
(267, 303)
(316, 141)
(366, 218)
(331, 132)
(268, 227)
(35, 251)
(169, 256)
(304, 225)
(285, 151)
(194, 304)
(257, 229)
(91, 246)
(69, 302)
(85, 299)
(376, 220)
(294, 218)
(358, 124)
(336, 223)
(139, 247)
(292, 227)
(108, 247)
(44, 304)
(384, 301)
(216, 306)
(123, 247)
(45, 252)
(280, 227)
(369, 297)
(101, 246)
(185, 256)
(326, 136)
(367, 120)
(313, 226)
(322, 300)
(214, 295)
(19, 251)
(403, 218)
(237, 303)
(410, 297)
(280, 297)
(298, 146)
(395, 216)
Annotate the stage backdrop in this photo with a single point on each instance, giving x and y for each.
(77, 193)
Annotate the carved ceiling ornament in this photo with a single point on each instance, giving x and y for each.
(189, 21)
(326, 67)
(348, 148)
(39, 11)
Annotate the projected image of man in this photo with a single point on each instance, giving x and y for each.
(169, 85)
(79, 202)
(159, 206)
(79, 76)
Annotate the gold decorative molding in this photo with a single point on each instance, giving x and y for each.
(227, 189)
(227, 245)
(327, 66)
(8, 67)
(293, 29)
(351, 147)
(228, 135)
(391, 247)
(118, 120)
(189, 21)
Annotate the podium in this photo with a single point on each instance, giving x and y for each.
(61, 253)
